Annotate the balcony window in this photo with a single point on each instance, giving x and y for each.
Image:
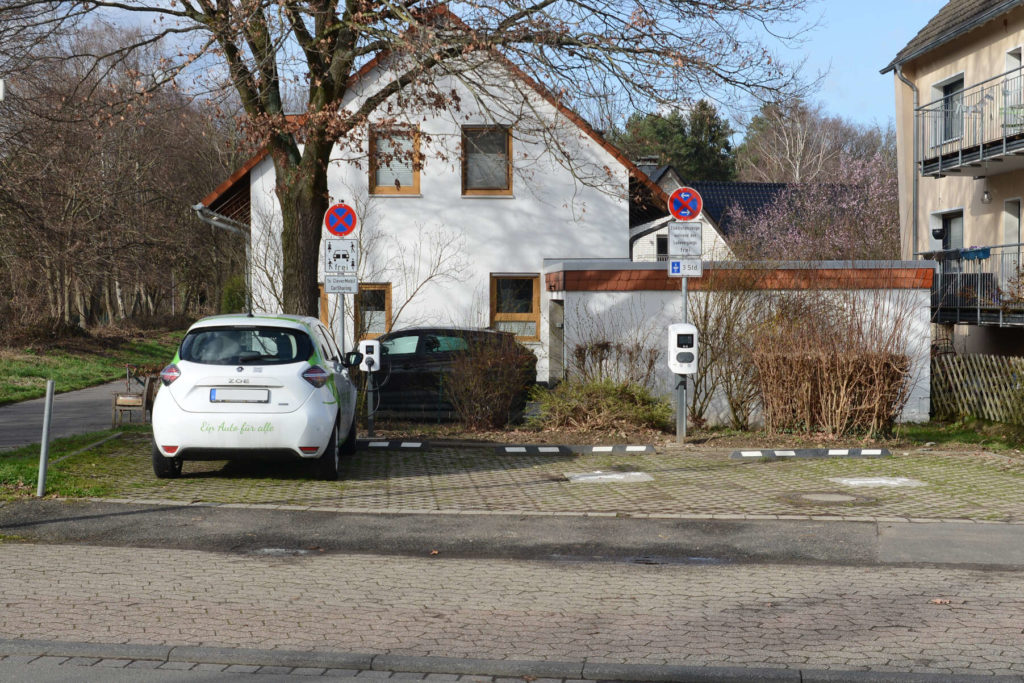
(953, 230)
(953, 110)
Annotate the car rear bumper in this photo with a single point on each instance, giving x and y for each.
(201, 436)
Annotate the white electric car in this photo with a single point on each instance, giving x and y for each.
(255, 386)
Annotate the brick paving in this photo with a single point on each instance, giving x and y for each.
(975, 486)
(943, 620)
(927, 620)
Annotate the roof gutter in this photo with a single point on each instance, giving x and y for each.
(222, 222)
(955, 33)
(913, 147)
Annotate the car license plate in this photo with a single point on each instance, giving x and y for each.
(239, 395)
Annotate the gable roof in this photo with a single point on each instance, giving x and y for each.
(647, 199)
(719, 197)
(956, 18)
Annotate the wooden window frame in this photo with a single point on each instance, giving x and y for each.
(373, 286)
(391, 190)
(325, 311)
(508, 162)
(533, 317)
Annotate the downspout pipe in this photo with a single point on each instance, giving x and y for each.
(222, 222)
(913, 88)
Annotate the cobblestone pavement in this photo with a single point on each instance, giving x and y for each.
(928, 620)
(977, 486)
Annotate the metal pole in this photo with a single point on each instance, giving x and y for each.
(44, 446)
(681, 387)
(370, 394)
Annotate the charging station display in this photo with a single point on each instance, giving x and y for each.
(370, 348)
(682, 348)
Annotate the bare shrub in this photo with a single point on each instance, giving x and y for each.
(490, 381)
(726, 314)
(618, 345)
(835, 362)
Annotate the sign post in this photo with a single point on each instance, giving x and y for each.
(341, 256)
(685, 249)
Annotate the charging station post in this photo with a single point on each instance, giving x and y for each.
(685, 248)
(370, 364)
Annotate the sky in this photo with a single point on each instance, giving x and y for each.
(853, 42)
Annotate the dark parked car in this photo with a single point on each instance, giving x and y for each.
(419, 365)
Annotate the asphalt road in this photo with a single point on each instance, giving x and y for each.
(74, 412)
(515, 536)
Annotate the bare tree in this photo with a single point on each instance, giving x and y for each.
(94, 216)
(263, 50)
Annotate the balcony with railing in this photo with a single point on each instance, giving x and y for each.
(979, 286)
(976, 131)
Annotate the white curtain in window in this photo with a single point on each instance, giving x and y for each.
(487, 160)
(394, 159)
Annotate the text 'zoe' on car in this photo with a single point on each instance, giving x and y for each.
(247, 387)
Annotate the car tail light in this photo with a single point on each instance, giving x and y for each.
(169, 374)
(316, 376)
(309, 449)
(170, 450)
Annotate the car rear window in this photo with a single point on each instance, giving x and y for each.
(246, 346)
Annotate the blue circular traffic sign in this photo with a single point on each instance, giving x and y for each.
(685, 204)
(340, 219)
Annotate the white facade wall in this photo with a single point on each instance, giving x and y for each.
(555, 212)
(712, 243)
(658, 309)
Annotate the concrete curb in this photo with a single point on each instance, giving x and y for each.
(780, 454)
(595, 671)
(501, 449)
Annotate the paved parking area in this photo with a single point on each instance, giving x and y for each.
(684, 481)
(929, 620)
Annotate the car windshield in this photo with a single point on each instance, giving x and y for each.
(400, 345)
(246, 346)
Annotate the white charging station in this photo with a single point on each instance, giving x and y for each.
(370, 348)
(682, 348)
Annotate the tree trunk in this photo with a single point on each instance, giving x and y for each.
(302, 192)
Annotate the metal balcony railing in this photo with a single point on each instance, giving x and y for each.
(980, 123)
(980, 285)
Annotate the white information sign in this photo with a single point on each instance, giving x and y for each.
(685, 268)
(684, 239)
(340, 256)
(341, 284)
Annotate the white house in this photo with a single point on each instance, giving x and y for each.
(504, 181)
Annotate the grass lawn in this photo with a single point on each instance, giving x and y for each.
(23, 372)
(78, 466)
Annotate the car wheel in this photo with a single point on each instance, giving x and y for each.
(348, 447)
(164, 467)
(327, 464)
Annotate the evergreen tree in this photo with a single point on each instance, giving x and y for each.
(695, 144)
